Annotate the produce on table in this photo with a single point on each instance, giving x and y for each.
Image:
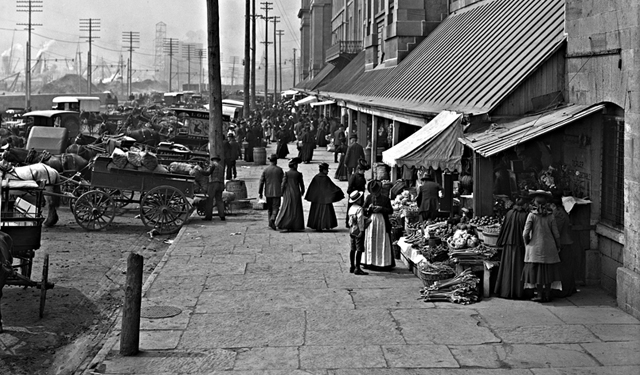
(463, 289)
(478, 253)
(437, 268)
(435, 253)
(462, 238)
(484, 221)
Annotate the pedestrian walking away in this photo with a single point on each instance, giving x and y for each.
(339, 139)
(322, 193)
(291, 216)
(357, 182)
(357, 225)
(215, 189)
(541, 238)
(232, 152)
(271, 185)
(354, 153)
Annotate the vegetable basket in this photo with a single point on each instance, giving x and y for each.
(429, 278)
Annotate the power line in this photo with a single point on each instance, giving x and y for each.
(28, 6)
(90, 25)
(132, 38)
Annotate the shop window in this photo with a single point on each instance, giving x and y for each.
(613, 170)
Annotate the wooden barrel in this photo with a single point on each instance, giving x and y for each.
(238, 187)
(259, 156)
(381, 172)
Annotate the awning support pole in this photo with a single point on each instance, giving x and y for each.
(394, 141)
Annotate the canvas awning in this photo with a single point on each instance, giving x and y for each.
(307, 100)
(326, 102)
(498, 137)
(435, 145)
(287, 93)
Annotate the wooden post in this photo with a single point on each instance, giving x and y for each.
(130, 335)
(215, 84)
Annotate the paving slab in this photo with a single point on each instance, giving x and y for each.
(374, 280)
(615, 332)
(351, 327)
(331, 357)
(550, 355)
(156, 340)
(261, 281)
(244, 329)
(433, 326)
(268, 372)
(284, 268)
(388, 298)
(614, 370)
(196, 268)
(419, 356)
(171, 362)
(478, 356)
(593, 315)
(530, 315)
(272, 257)
(267, 358)
(273, 299)
(405, 371)
(559, 334)
(615, 353)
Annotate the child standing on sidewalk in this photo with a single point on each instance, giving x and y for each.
(356, 231)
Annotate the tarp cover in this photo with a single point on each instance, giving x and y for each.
(307, 100)
(326, 102)
(435, 145)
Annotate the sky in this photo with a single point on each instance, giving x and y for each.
(186, 20)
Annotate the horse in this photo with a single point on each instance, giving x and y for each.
(67, 164)
(11, 137)
(6, 262)
(38, 172)
(145, 136)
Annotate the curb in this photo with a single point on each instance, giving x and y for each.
(111, 338)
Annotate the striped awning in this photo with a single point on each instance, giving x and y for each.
(499, 137)
(469, 64)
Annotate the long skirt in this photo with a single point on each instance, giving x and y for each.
(282, 150)
(534, 274)
(248, 155)
(322, 216)
(509, 283)
(377, 244)
(291, 216)
(341, 171)
(568, 258)
(306, 152)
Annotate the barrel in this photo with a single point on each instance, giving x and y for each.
(259, 156)
(238, 187)
(381, 172)
(386, 188)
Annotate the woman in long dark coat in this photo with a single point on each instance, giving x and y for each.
(308, 144)
(322, 193)
(509, 283)
(291, 217)
(321, 135)
(251, 143)
(282, 150)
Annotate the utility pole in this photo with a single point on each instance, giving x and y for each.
(276, 19)
(188, 52)
(201, 54)
(253, 54)
(266, 7)
(215, 85)
(90, 25)
(132, 38)
(294, 67)
(233, 71)
(280, 33)
(28, 6)
(170, 47)
(247, 50)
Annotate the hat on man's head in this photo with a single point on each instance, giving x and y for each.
(273, 157)
(323, 166)
(363, 165)
(374, 186)
(355, 195)
(353, 136)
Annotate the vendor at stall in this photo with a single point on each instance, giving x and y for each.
(428, 195)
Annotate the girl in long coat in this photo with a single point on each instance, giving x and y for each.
(509, 283)
(322, 193)
(377, 236)
(541, 260)
(291, 217)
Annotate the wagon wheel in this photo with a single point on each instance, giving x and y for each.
(94, 210)
(165, 209)
(67, 187)
(121, 198)
(43, 285)
(77, 192)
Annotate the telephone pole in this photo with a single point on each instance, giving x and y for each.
(294, 67)
(132, 39)
(215, 85)
(247, 50)
(201, 55)
(276, 19)
(28, 6)
(280, 33)
(189, 51)
(253, 54)
(89, 25)
(266, 8)
(170, 48)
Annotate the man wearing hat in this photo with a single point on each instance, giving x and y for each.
(338, 142)
(271, 185)
(354, 153)
(356, 224)
(232, 152)
(428, 195)
(215, 189)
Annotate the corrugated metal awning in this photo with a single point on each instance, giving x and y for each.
(435, 145)
(500, 137)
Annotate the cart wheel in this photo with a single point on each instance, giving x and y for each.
(120, 198)
(43, 285)
(77, 192)
(94, 210)
(165, 209)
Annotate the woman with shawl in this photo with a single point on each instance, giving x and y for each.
(290, 217)
(377, 238)
(322, 193)
(509, 283)
(282, 150)
(308, 143)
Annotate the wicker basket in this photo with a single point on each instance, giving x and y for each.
(429, 278)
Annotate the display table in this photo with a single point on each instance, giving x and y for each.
(479, 265)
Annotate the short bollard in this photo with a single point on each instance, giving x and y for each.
(130, 334)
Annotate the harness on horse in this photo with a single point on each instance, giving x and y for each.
(32, 154)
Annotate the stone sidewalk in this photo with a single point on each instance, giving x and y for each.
(257, 301)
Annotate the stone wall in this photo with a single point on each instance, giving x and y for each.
(603, 65)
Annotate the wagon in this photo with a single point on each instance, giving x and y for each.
(164, 206)
(23, 222)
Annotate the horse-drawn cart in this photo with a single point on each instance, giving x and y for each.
(22, 221)
(163, 201)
